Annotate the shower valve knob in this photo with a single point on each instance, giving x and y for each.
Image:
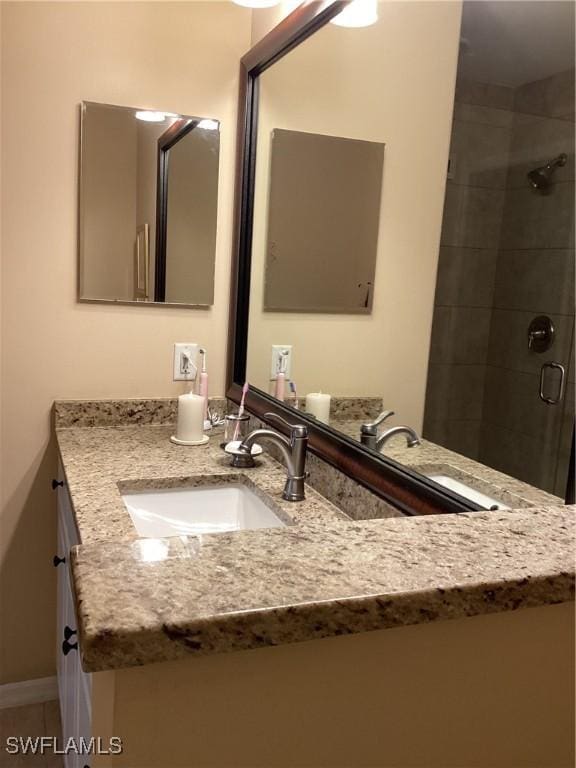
(534, 336)
(540, 334)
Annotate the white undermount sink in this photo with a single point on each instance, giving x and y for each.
(488, 502)
(157, 513)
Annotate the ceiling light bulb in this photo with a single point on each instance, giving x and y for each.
(360, 13)
(150, 117)
(208, 125)
(256, 3)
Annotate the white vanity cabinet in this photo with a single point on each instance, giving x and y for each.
(74, 685)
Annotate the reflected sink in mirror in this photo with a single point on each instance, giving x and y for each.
(186, 511)
(488, 502)
(489, 495)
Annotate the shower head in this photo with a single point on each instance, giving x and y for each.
(541, 178)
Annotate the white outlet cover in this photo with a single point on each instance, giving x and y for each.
(180, 349)
(277, 350)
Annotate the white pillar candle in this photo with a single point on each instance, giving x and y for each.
(318, 404)
(190, 418)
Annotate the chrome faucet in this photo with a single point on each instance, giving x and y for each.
(369, 433)
(412, 439)
(293, 450)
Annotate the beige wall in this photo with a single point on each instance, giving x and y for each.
(492, 691)
(173, 56)
(391, 83)
(267, 18)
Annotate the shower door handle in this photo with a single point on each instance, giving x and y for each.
(560, 392)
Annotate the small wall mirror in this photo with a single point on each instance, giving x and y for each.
(336, 236)
(148, 206)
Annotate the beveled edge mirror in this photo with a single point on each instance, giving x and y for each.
(404, 488)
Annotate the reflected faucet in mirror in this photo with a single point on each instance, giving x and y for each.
(412, 439)
(369, 433)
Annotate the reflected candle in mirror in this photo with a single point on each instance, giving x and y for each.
(318, 404)
(190, 418)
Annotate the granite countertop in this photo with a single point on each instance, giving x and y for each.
(141, 601)
(101, 462)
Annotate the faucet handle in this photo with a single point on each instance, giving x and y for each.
(371, 427)
(296, 430)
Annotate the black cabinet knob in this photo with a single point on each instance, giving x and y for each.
(67, 647)
(57, 560)
(56, 484)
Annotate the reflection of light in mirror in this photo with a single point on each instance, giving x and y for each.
(256, 3)
(208, 125)
(360, 13)
(149, 116)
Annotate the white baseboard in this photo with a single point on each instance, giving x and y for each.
(28, 692)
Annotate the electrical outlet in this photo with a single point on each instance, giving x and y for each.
(185, 362)
(278, 351)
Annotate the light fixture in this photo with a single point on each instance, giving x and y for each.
(360, 13)
(208, 125)
(149, 116)
(256, 3)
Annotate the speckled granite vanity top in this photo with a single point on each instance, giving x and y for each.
(147, 600)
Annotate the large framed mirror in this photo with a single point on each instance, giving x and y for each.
(368, 277)
(147, 223)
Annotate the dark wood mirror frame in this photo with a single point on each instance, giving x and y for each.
(404, 488)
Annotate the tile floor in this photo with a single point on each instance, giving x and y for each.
(31, 720)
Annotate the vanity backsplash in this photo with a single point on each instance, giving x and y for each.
(118, 413)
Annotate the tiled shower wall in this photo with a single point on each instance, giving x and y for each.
(473, 208)
(507, 255)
